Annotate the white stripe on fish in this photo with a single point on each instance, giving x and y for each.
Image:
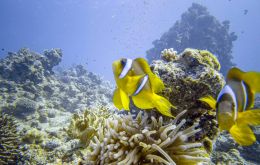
(228, 90)
(141, 85)
(126, 68)
(245, 94)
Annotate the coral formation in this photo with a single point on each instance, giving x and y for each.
(43, 99)
(33, 136)
(28, 77)
(193, 71)
(145, 140)
(85, 126)
(197, 73)
(230, 157)
(10, 152)
(25, 105)
(226, 144)
(200, 30)
(26, 66)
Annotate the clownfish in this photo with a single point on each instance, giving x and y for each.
(234, 105)
(135, 80)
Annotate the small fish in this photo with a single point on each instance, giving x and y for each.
(245, 12)
(234, 105)
(135, 80)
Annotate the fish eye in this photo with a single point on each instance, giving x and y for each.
(123, 62)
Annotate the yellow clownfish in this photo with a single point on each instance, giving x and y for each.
(135, 79)
(233, 104)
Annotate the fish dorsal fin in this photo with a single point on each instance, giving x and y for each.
(251, 80)
(156, 83)
(210, 101)
(235, 74)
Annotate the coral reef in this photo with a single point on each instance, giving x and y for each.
(226, 144)
(44, 101)
(10, 152)
(85, 126)
(28, 77)
(200, 30)
(197, 73)
(33, 136)
(26, 66)
(44, 98)
(230, 157)
(145, 140)
(193, 71)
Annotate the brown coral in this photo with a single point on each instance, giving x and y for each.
(9, 141)
(187, 77)
(84, 126)
(124, 140)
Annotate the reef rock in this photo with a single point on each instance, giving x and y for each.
(26, 65)
(200, 30)
(43, 99)
(188, 76)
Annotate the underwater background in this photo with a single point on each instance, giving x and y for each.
(57, 82)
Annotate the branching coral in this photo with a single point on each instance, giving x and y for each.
(9, 141)
(124, 140)
(84, 126)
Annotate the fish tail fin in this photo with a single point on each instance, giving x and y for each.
(120, 99)
(163, 105)
(242, 134)
(241, 131)
(210, 101)
(147, 100)
(250, 117)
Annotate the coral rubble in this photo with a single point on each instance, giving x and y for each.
(124, 140)
(200, 30)
(10, 152)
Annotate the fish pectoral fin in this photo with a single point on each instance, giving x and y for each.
(132, 83)
(142, 100)
(242, 134)
(146, 100)
(120, 99)
(249, 117)
(210, 101)
(156, 83)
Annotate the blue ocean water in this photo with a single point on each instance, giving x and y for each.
(98, 32)
(57, 82)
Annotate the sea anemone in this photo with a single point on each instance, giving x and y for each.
(145, 140)
(84, 126)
